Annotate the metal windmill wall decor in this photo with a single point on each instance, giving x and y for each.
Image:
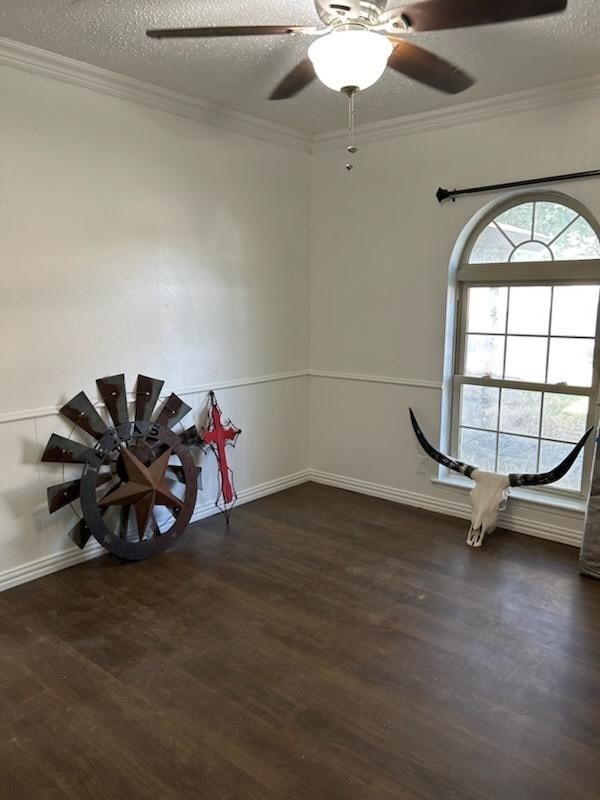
(138, 465)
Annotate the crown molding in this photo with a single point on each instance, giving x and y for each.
(466, 113)
(68, 70)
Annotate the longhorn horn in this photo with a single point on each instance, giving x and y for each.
(541, 478)
(445, 461)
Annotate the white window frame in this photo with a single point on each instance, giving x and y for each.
(530, 273)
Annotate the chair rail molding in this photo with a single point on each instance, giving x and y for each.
(50, 411)
(417, 383)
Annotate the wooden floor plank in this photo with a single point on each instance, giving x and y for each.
(328, 645)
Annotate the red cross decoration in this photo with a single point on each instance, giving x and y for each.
(217, 436)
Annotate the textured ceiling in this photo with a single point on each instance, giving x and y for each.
(240, 73)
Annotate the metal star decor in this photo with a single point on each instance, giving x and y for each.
(145, 488)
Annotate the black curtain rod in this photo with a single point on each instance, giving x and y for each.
(444, 194)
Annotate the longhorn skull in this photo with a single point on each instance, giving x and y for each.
(490, 493)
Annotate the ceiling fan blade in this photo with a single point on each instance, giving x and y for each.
(435, 15)
(229, 30)
(425, 67)
(296, 80)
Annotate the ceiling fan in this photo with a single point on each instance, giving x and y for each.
(361, 38)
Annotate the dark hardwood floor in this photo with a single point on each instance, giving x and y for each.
(330, 646)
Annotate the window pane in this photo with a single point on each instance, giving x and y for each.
(571, 361)
(526, 358)
(487, 309)
(574, 310)
(565, 416)
(484, 355)
(517, 454)
(551, 454)
(477, 448)
(577, 242)
(529, 309)
(517, 222)
(479, 407)
(532, 251)
(520, 412)
(491, 246)
(550, 220)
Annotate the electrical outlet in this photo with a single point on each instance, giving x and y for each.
(421, 465)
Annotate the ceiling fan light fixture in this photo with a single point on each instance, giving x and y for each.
(350, 58)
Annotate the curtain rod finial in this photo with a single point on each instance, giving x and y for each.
(442, 194)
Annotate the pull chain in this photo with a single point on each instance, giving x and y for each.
(351, 148)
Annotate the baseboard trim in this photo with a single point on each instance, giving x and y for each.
(47, 564)
(256, 492)
(554, 533)
(68, 558)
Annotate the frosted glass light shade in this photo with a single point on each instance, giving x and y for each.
(350, 58)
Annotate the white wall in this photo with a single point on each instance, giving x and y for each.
(138, 241)
(135, 240)
(380, 251)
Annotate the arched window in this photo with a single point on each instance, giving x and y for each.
(526, 362)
